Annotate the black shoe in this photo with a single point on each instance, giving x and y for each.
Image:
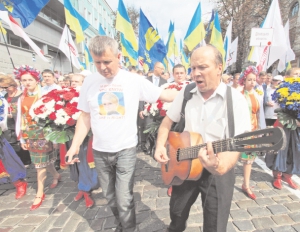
(57, 165)
(144, 148)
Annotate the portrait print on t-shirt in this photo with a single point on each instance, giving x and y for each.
(111, 103)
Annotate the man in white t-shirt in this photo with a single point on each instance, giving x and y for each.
(109, 102)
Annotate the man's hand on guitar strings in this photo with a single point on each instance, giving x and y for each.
(161, 155)
(208, 158)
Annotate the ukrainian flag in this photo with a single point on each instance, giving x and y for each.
(101, 31)
(76, 22)
(123, 25)
(288, 66)
(2, 29)
(151, 47)
(216, 36)
(87, 55)
(25, 10)
(196, 32)
(185, 61)
(210, 23)
(128, 51)
(171, 44)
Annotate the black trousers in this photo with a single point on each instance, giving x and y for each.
(216, 195)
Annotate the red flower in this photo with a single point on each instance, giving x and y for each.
(163, 113)
(71, 122)
(58, 107)
(68, 96)
(47, 99)
(52, 116)
(149, 108)
(39, 110)
(159, 104)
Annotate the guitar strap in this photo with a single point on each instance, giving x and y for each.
(179, 127)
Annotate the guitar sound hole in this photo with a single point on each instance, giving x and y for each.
(177, 155)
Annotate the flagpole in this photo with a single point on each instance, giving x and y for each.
(69, 49)
(55, 60)
(7, 48)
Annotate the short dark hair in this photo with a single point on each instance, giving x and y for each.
(262, 73)
(131, 67)
(48, 71)
(179, 66)
(234, 76)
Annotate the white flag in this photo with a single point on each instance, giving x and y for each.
(289, 55)
(278, 47)
(17, 30)
(67, 46)
(233, 52)
(227, 44)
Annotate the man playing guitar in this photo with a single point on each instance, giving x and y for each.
(206, 114)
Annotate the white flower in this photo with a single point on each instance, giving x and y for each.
(75, 99)
(76, 115)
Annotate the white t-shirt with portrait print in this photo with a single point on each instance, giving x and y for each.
(113, 107)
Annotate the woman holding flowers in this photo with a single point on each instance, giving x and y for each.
(287, 161)
(41, 151)
(248, 80)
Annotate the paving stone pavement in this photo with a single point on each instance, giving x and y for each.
(273, 210)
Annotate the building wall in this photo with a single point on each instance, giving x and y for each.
(46, 32)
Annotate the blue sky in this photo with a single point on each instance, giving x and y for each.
(160, 12)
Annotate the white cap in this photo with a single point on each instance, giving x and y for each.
(278, 78)
(86, 72)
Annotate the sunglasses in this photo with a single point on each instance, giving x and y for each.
(5, 87)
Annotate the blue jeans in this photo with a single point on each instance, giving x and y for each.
(116, 175)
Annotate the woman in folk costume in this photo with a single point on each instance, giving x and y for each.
(11, 167)
(41, 151)
(12, 95)
(248, 80)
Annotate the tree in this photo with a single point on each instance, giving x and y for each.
(246, 14)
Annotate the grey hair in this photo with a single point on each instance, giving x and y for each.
(99, 44)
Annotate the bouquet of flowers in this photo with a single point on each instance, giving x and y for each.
(287, 95)
(56, 114)
(158, 110)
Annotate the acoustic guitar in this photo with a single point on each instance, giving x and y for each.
(182, 150)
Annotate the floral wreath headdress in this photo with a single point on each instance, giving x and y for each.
(26, 69)
(246, 72)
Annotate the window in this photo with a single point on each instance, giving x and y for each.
(295, 9)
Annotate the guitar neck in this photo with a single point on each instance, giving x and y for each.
(192, 152)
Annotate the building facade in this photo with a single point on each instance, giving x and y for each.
(46, 31)
(292, 13)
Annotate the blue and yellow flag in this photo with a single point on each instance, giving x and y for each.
(210, 23)
(128, 51)
(25, 10)
(76, 22)
(151, 47)
(185, 61)
(101, 31)
(124, 25)
(87, 55)
(171, 44)
(216, 36)
(196, 32)
(2, 29)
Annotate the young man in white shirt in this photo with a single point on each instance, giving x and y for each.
(114, 135)
(49, 79)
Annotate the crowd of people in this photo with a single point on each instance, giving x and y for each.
(112, 102)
